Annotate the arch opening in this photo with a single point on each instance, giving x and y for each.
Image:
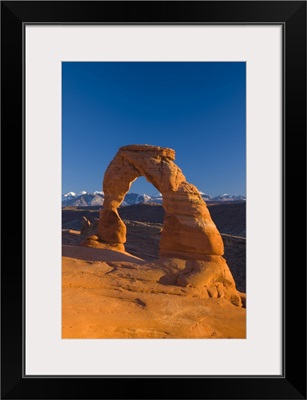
(144, 222)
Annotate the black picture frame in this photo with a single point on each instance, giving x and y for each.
(292, 383)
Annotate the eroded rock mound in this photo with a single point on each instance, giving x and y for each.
(110, 294)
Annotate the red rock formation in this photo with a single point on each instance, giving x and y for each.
(188, 230)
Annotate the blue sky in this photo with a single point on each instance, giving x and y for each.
(196, 108)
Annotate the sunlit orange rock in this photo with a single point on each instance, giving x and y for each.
(188, 230)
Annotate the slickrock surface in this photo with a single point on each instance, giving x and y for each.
(143, 241)
(110, 294)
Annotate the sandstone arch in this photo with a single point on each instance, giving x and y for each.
(188, 230)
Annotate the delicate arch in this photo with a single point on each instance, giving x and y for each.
(188, 230)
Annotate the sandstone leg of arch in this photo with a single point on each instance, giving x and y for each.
(188, 230)
(117, 181)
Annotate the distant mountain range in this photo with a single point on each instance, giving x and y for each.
(86, 199)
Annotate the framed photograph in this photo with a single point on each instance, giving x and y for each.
(163, 155)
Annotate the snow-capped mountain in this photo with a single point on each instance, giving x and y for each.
(156, 198)
(135, 198)
(228, 197)
(85, 199)
(205, 196)
(69, 195)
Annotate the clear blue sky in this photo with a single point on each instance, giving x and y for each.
(196, 108)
